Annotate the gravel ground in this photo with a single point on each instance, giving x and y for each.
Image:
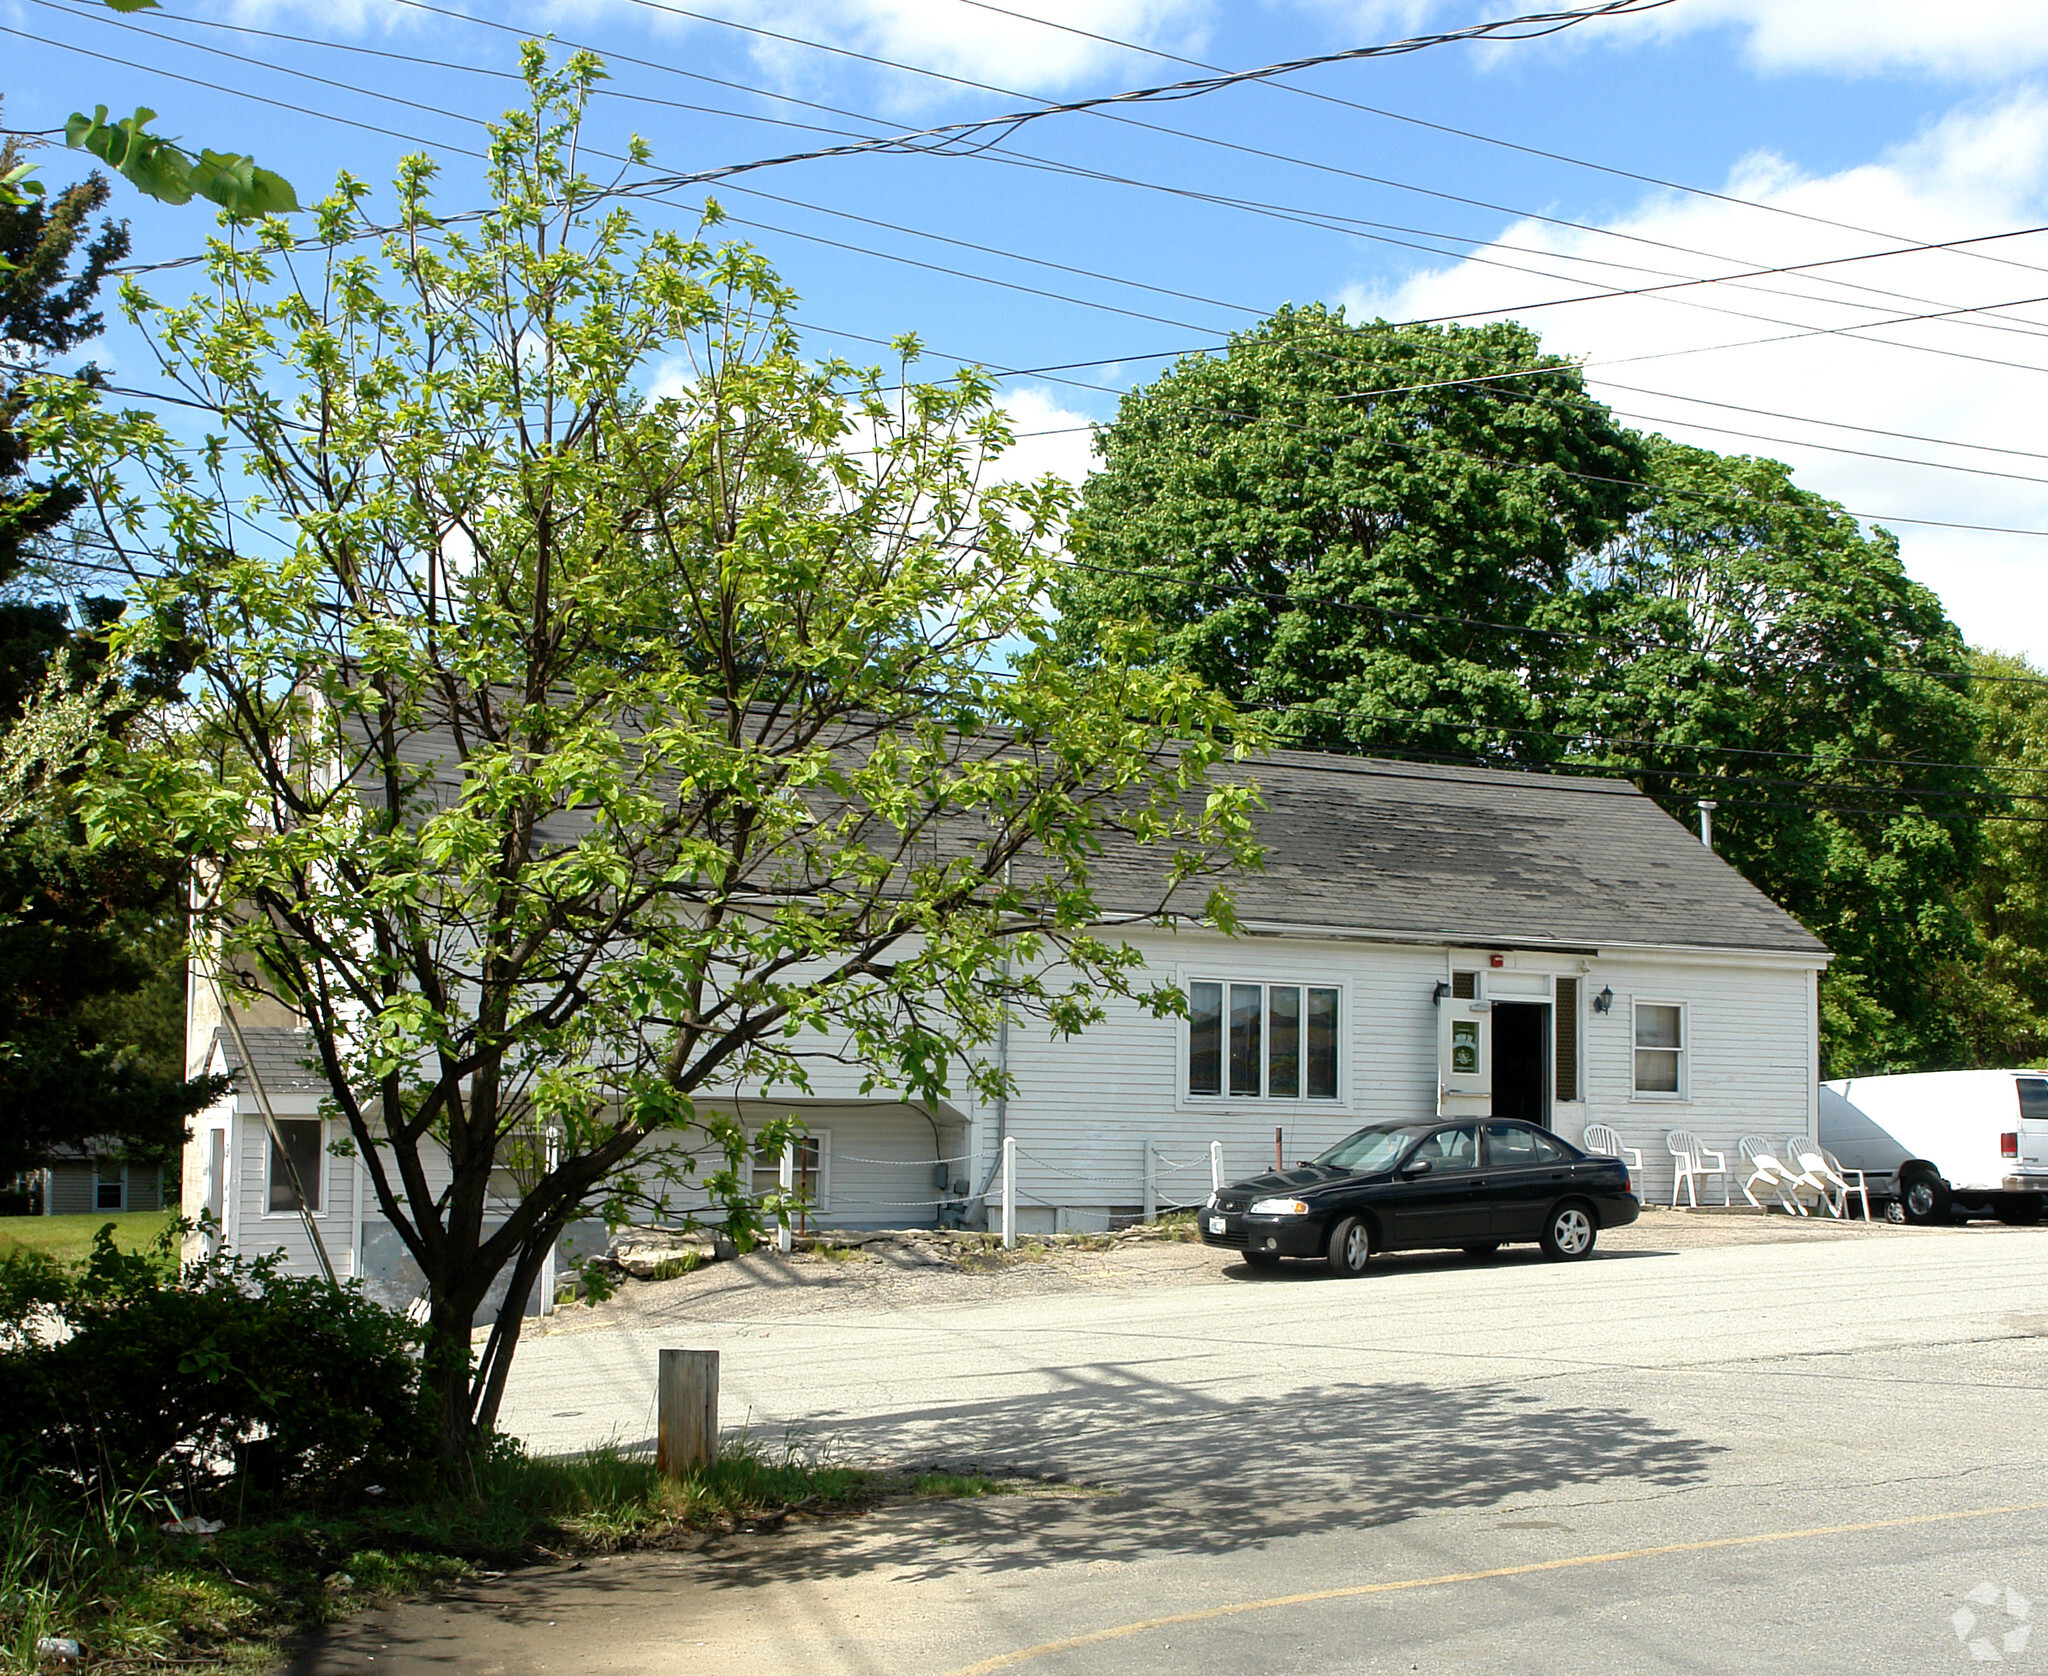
(919, 1268)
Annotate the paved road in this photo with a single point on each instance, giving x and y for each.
(1713, 1460)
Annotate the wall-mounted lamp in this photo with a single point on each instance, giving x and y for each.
(1604, 1001)
(1442, 993)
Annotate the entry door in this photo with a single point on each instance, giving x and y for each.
(1464, 1053)
(1521, 1061)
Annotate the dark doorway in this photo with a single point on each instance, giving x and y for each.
(1521, 1061)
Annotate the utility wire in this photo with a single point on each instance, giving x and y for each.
(1298, 90)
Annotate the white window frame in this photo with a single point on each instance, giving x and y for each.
(1187, 1099)
(271, 1179)
(1654, 1096)
(821, 1194)
(98, 1181)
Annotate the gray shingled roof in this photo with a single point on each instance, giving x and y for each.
(1486, 858)
(1477, 857)
(282, 1057)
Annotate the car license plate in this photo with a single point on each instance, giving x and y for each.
(1215, 1224)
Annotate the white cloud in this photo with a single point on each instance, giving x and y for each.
(1980, 170)
(1989, 39)
(1050, 438)
(1994, 38)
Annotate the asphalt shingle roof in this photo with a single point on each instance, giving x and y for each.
(1486, 858)
(1475, 857)
(281, 1057)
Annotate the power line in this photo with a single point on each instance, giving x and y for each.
(216, 88)
(1494, 140)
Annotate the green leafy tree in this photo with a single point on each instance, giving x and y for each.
(676, 755)
(2007, 1020)
(1326, 522)
(1760, 649)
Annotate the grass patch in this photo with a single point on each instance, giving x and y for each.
(838, 1253)
(68, 1239)
(130, 1591)
(687, 1261)
(133, 1592)
(963, 1485)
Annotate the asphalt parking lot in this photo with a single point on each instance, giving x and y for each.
(1819, 1449)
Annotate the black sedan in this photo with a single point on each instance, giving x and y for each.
(1475, 1184)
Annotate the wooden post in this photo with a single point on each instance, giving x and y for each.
(687, 1411)
(1216, 1165)
(1278, 1164)
(1151, 1184)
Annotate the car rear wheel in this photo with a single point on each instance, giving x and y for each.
(1350, 1248)
(1482, 1248)
(1924, 1199)
(1569, 1232)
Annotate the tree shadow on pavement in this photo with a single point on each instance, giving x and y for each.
(1185, 1474)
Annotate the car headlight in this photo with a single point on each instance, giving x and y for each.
(1278, 1207)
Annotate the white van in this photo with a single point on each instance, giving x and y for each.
(1943, 1144)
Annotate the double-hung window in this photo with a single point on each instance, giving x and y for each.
(1661, 1047)
(301, 1137)
(1271, 1041)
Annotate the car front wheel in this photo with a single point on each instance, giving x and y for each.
(1350, 1248)
(1569, 1233)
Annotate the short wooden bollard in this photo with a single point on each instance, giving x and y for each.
(686, 1409)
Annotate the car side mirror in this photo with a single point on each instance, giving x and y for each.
(1420, 1167)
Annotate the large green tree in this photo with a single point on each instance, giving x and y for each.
(2005, 1016)
(1759, 648)
(676, 752)
(1348, 524)
(1377, 533)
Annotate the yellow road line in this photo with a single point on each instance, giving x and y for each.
(1023, 1655)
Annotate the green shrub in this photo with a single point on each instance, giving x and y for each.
(114, 1377)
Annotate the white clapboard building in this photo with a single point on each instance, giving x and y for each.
(1423, 939)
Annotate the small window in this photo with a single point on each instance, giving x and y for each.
(1456, 1148)
(1262, 1041)
(110, 1185)
(1549, 1150)
(1660, 1049)
(301, 1137)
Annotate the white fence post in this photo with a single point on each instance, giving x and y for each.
(1009, 1190)
(783, 1242)
(1151, 1182)
(1216, 1165)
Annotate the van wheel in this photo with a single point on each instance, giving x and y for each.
(1925, 1199)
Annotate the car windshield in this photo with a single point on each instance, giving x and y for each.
(1377, 1148)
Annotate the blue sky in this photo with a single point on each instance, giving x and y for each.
(1848, 128)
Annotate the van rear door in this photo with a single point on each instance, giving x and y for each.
(2033, 1093)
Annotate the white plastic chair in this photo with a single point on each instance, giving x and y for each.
(1804, 1156)
(1684, 1146)
(1852, 1183)
(1603, 1142)
(1763, 1160)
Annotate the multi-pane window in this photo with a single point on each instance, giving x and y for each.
(1660, 1048)
(110, 1184)
(1262, 1041)
(807, 1172)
